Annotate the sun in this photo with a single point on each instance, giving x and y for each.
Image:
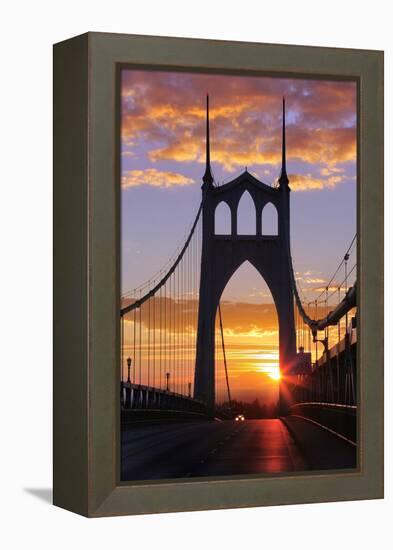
(272, 371)
(274, 374)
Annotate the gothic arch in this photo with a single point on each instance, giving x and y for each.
(228, 276)
(246, 215)
(269, 220)
(222, 219)
(249, 318)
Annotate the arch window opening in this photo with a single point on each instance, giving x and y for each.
(222, 219)
(246, 215)
(269, 220)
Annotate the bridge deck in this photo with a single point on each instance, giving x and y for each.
(208, 449)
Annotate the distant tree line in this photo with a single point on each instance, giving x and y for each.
(250, 410)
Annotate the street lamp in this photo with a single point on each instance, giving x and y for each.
(167, 375)
(129, 367)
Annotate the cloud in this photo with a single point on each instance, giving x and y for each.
(239, 318)
(332, 288)
(163, 113)
(242, 318)
(153, 177)
(307, 182)
(327, 146)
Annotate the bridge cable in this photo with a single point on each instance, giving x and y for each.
(224, 355)
(160, 340)
(348, 302)
(152, 292)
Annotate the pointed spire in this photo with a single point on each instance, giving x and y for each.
(283, 179)
(208, 177)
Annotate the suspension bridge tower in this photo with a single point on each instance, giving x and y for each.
(222, 255)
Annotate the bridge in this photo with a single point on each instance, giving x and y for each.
(177, 411)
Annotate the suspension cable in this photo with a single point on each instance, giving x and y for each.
(347, 303)
(153, 291)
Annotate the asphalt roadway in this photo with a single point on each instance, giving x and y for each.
(219, 448)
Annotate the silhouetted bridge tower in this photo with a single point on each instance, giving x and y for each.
(222, 255)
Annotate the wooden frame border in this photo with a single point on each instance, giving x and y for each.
(86, 273)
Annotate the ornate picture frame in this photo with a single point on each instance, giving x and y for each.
(87, 274)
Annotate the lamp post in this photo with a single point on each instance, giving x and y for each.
(189, 389)
(129, 368)
(167, 375)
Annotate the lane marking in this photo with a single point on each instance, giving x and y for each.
(227, 438)
(326, 428)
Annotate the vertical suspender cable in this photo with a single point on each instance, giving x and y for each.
(154, 298)
(224, 355)
(165, 332)
(148, 341)
(122, 321)
(134, 344)
(140, 343)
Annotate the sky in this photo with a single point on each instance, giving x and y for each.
(162, 163)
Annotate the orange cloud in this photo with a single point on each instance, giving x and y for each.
(315, 280)
(164, 114)
(239, 318)
(153, 177)
(242, 318)
(328, 146)
(299, 182)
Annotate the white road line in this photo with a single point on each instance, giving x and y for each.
(326, 428)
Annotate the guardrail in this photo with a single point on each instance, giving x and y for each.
(134, 397)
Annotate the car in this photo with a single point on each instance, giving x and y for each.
(240, 418)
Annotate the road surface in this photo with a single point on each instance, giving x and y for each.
(322, 449)
(208, 448)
